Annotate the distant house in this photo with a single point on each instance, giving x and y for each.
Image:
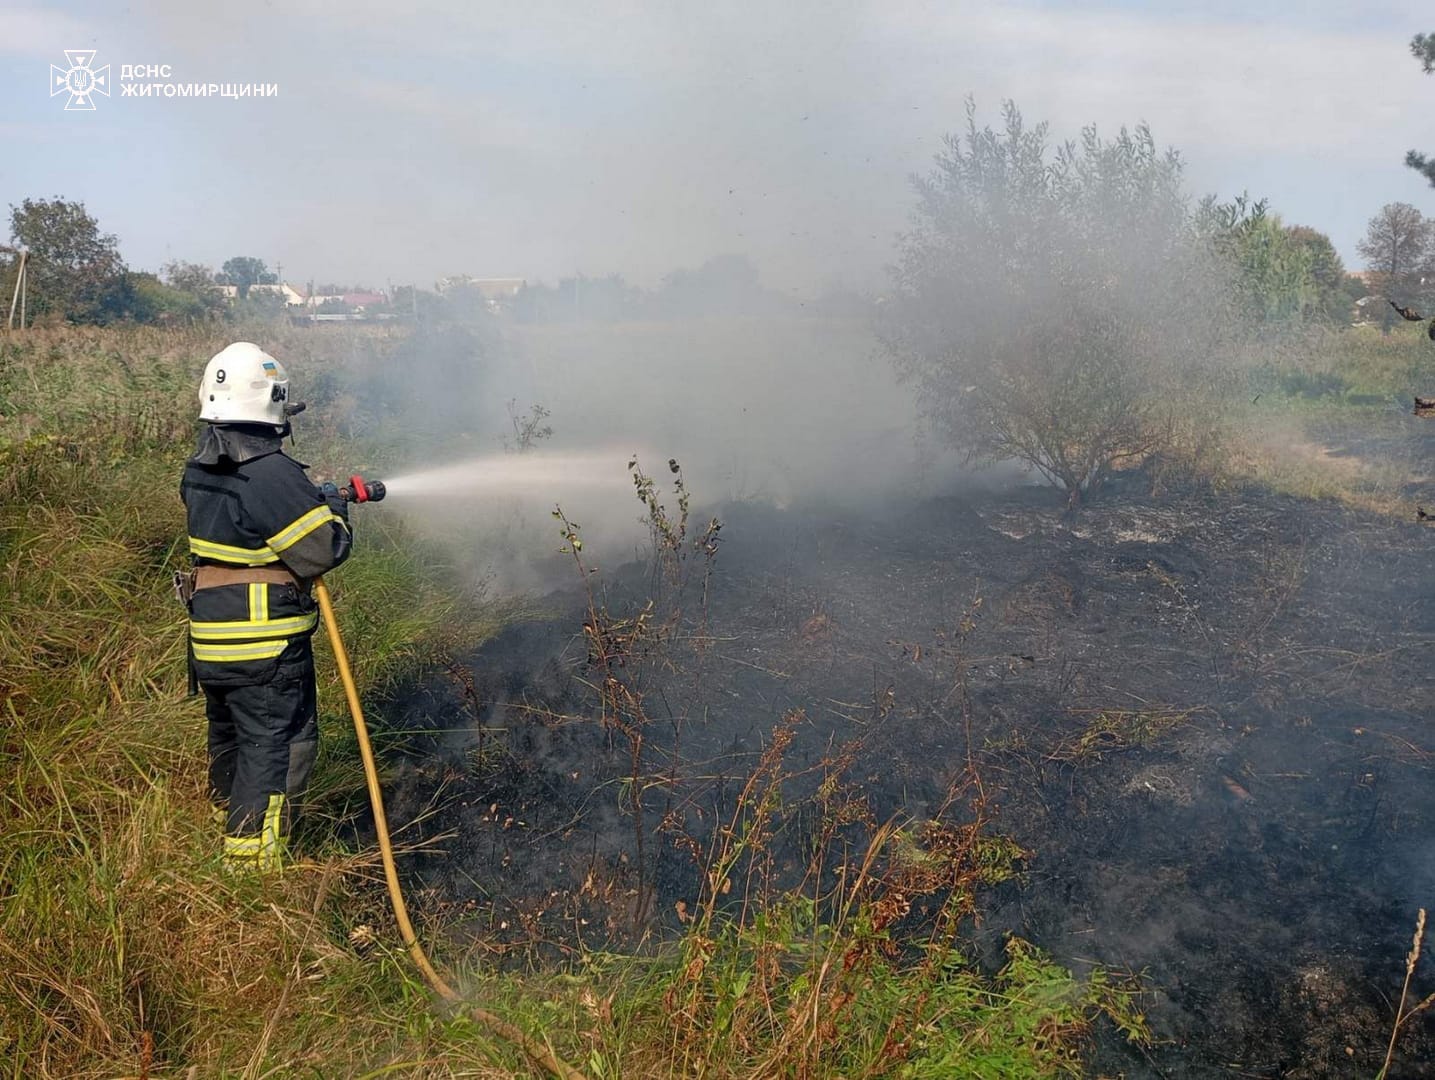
(498, 293)
(356, 305)
(361, 301)
(292, 297)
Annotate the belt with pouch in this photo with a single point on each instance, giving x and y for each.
(186, 584)
(212, 577)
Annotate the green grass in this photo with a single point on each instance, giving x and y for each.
(1354, 368)
(127, 950)
(1310, 411)
(121, 938)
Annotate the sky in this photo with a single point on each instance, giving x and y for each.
(539, 139)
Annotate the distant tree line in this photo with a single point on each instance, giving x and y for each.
(77, 275)
(725, 285)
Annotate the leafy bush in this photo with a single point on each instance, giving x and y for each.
(1058, 308)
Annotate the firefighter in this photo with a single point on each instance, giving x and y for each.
(259, 531)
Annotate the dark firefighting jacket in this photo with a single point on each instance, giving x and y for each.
(250, 505)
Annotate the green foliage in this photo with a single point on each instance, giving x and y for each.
(1422, 47)
(154, 301)
(260, 307)
(1028, 1024)
(409, 302)
(1275, 274)
(196, 281)
(1359, 365)
(1284, 274)
(1053, 307)
(839, 988)
(75, 271)
(243, 272)
(1329, 281)
(1312, 384)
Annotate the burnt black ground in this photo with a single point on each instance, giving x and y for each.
(1260, 860)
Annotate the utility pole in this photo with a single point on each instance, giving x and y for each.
(22, 287)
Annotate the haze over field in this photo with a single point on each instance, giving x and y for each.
(1015, 662)
(537, 140)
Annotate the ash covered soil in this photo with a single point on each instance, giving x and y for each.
(1205, 717)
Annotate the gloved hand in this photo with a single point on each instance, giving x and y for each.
(337, 502)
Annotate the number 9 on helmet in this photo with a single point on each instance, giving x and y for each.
(243, 384)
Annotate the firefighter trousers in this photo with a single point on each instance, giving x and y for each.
(263, 739)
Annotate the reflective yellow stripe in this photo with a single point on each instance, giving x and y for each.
(301, 527)
(259, 627)
(269, 835)
(257, 630)
(266, 850)
(259, 650)
(208, 549)
(258, 602)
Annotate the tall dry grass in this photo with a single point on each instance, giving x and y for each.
(127, 950)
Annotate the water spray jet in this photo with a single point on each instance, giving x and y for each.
(360, 490)
(514, 474)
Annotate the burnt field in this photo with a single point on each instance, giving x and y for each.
(1202, 716)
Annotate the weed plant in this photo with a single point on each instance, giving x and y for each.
(126, 950)
(851, 963)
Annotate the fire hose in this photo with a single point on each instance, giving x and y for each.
(359, 490)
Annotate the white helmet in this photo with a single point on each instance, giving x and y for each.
(243, 384)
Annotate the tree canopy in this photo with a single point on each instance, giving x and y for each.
(1396, 247)
(244, 272)
(75, 270)
(1053, 305)
(1283, 274)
